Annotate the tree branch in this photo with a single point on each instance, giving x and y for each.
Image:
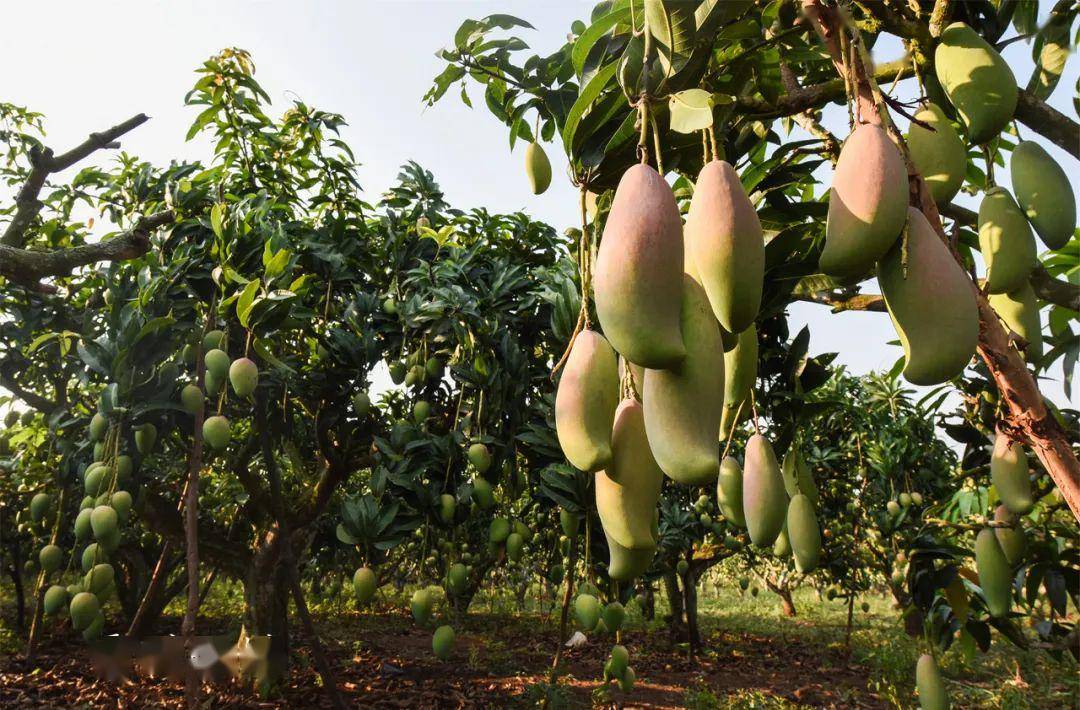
(1048, 122)
(43, 163)
(817, 95)
(27, 267)
(841, 302)
(7, 380)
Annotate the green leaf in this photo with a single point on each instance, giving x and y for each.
(673, 26)
(691, 110)
(592, 35)
(262, 350)
(584, 100)
(243, 303)
(217, 220)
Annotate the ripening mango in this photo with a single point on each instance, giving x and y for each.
(932, 694)
(1020, 311)
(729, 491)
(939, 154)
(1009, 473)
(978, 82)
(627, 491)
(1006, 242)
(995, 573)
(683, 405)
(585, 402)
(637, 278)
(781, 548)
(217, 364)
(867, 204)
(803, 533)
(537, 168)
(932, 304)
(192, 399)
(1012, 539)
(244, 376)
(624, 563)
(1045, 193)
(726, 246)
(764, 498)
(740, 372)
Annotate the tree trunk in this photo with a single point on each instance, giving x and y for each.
(266, 601)
(787, 604)
(20, 594)
(675, 599)
(690, 609)
(649, 612)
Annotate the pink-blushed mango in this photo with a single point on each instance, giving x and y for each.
(803, 533)
(1020, 311)
(932, 304)
(995, 573)
(765, 501)
(1044, 192)
(585, 402)
(683, 405)
(740, 371)
(627, 491)
(726, 244)
(1006, 242)
(1009, 474)
(939, 154)
(729, 491)
(637, 279)
(978, 82)
(867, 204)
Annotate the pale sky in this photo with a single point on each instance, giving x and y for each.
(89, 65)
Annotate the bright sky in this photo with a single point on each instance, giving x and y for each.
(89, 65)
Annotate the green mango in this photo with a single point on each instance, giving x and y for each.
(499, 531)
(121, 502)
(365, 585)
(1020, 311)
(978, 82)
(56, 598)
(98, 580)
(82, 524)
(585, 402)
(764, 498)
(515, 544)
(479, 457)
(1009, 474)
(740, 372)
(145, 438)
(361, 402)
(932, 304)
(619, 660)
(442, 642)
(1006, 242)
(84, 608)
(569, 522)
(421, 605)
(627, 492)
(587, 612)
(482, 493)
(939, 154)
(192, 399)
(216, 432)
(729, 491)
(684, 404)
(244, 376)
(613, 616)
(457, 579)
(995, 573)
(97, 480)
(803, 533)
(1013, 541)
(725, 246)
(867, 204)
(626, 564)
(397, 372)
(213, 340)
(782, 546)
(1045, 193)
(104, 522)
(636, 277)
(932, 694)
(537, 168)
(447, 508)
(797, 477)
(50, 558)
(626, 683)
(40, 505)
(95, 628)
(98, 426)
(217, 364)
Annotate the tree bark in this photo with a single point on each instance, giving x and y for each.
(787, 604)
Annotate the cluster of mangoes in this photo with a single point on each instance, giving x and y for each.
(242, 374)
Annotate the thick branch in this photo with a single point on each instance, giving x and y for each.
(27, 267)
(840, 302)
(42, 404)
(44, 163)
(1048, 122)
(818, 95)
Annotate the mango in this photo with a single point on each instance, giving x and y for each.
(364, 585)
(764, 498)
(569, 522)
(1009, 474)
(867, 204)
(1020, 311)
(797, 477)
(740, 372)
(618, 661)
(683, 405)
(1006, 242)
(515, 545)
(803, 533)
(361, 402)
(421, 411)
(99, 579)
(628, 490)
(39, 506)
(782, 546)
(932, 304)
(587, 612)
(244, 376)
(98, 426)
(613, 616)
(1012, 539)
(637, 277)
(442, 642)
(626, 683)
(978, 82)
(482, 493)
(447, 508)
(457, 579)
(932, 694)
(217, 364)
(84, 608)
(498, 531)
(585, 402)
(939, 155)
(216, 431)
(56, 598)
(726, 246)
(995, 573)
(145, 438)
(121, 502)
(537, 168)
(50, 558)
(213, 340)
(1045, 193)
(479, 457)
(104, 521)
(421, 605)
(95, 628)
(192, 399)
(626, 564)
(729, 493)
(82, 524)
